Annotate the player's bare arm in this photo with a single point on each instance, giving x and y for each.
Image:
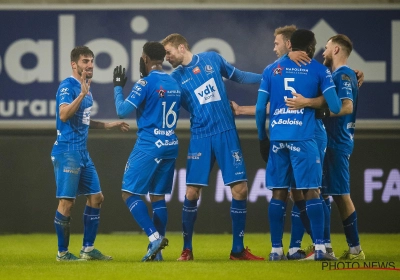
(242, 110)
(122, 126)
(299, 101)
(68, 110)
(347, 108)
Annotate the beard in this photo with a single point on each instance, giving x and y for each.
(142, 69)
(80, 71)
(328, 61)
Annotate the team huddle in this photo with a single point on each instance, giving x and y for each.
(307, 151)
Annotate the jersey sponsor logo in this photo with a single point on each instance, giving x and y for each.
(64, 89)
(277, 70)
(287, 122)
(347, 84)
(194, 156)
(158, 160)
(71, 170)
(288, 111)
(159, 143)
(237, 158)
(291, 147)
(196, 70)
(137, 88)
(209, 69)
(207, 92)
(164, 132)
(142, 82)
(295, 70)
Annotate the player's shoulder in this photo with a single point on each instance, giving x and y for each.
(346, 71)
(68, 84)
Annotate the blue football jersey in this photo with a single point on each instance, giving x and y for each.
(340, 130)
(72, 134)
(280, 79)
(204, 94)
(157, 99)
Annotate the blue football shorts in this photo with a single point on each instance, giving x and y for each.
(321, 144)
(298, 159)
(145, 174)
(336, 180)
(223, 147)
(75, 174)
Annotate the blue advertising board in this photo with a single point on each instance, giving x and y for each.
(35, 46)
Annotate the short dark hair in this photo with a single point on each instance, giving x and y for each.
(344, 42)
(175, 40)
(154, 50)
(303, 40)
(80, 50)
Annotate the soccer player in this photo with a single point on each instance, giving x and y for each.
(292, 132)
(151, 164)
(74, 170)
(213, 136)
(282, 46)
(340, 129)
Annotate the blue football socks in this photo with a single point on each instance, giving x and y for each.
(297, 228)
(91, 220)
(139, 211)
(327, 223)
(238, 216)
(62, 225)
(301, 205)
(276, 211)
(160, 216)
(189, 215)
(351, 231)
(315, 213)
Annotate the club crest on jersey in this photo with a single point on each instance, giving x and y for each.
(237, 158)
(161, 92)
(196, 70)
(209, 69)
(278, 70)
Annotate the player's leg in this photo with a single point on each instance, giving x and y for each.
(138, 176)
(199, 158)
(297, 228)
(338, 186)
(89, 186)
(162, 185)
(307, 170)
(67, 172)
(278, 179)
(227, 150)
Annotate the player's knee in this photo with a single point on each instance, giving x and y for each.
(239, 191)
(192, 193)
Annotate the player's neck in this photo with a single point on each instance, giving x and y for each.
(338, 63)
(157, 66)
(187, 58)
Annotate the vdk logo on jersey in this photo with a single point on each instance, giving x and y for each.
(207, 92)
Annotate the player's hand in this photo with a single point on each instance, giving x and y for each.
(360, 77)
(264, 149)
(85, 84)
(322, 113)
(297, 102)
(122, 126)
(119, 77)
(235, 108)
(299, 57)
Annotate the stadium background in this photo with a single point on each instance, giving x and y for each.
(27, 202)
